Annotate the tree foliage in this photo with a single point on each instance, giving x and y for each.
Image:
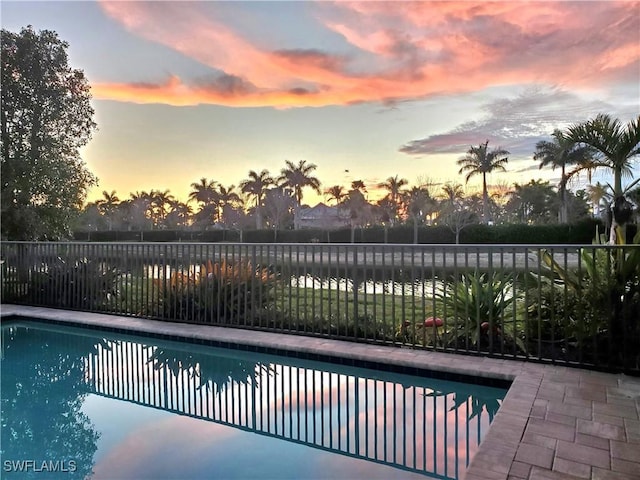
(46, 118)
(480, 161)
(616, 142)
(563, 152)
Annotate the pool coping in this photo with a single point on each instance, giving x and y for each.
(555, 422)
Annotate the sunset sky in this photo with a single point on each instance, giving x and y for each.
(364, 90)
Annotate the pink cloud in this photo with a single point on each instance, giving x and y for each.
(397, 51)
(151, 443)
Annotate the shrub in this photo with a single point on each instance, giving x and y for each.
(224, 292)
(73, 283)
(592, 310)
(480, 310)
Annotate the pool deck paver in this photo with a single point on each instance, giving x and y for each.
(555, 422)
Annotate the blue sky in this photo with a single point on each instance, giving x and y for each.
(184, 90)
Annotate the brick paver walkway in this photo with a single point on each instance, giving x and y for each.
(554, 423)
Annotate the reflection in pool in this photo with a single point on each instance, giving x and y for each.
(132, 407)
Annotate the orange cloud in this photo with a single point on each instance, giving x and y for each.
(396, 51)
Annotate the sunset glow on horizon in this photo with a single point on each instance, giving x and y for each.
(364, 90)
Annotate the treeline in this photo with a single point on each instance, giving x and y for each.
(579, 233)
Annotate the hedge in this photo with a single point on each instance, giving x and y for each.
(580, 233)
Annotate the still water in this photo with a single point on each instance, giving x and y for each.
(90, 404)
(404, 286)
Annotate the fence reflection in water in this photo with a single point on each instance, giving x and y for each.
(423, 425)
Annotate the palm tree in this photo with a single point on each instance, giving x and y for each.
(562, 152)
(532, 202)
(359, 209)
(203, 192)
(140, 197)
(140, 212)
(452, 196)
(478, 161)
(598, 194)
(416, 201)
(227, 197)
(453, 193)
(617, 144)
(278, 204)
(394, 186)
(108, 202)
(297, 177)
(256, 186)
(108, 205)
(634, 196)
(359, 185)
(179, 214)
(160, 204)
(336, 193)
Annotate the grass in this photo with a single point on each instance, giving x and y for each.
(327, 311)
(364, 315)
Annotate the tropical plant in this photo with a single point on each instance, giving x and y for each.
(417, 202)
(383, 211)
(297, 177)
(224, 292)
(74, 284)
(109, 205)
(480, 161)
(562, 152)
(634, 196)
(453, 193)
(179, 214)
(600, 197)
(227, 198)
(359, 210)
(140, 213)
(256, 186)
(394, 185)
(595, 303)
(359, 185)
(481, 310)
(532, 203)
(160, 203)
(203, 192)
(617, 144)
(455, 211)
(335, 193)
(91, 219)
(278, 205)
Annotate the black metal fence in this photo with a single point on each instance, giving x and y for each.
(573, 305)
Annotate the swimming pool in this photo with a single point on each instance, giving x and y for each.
(120, 406)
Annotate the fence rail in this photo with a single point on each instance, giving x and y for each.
(567, 304)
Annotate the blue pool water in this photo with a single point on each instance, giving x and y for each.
(80, 403)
